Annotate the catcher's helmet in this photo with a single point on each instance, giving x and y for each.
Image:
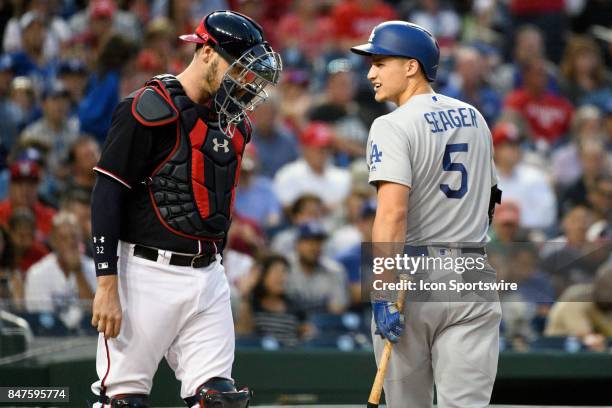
(230, 33)
(254, 66)
(403, 39)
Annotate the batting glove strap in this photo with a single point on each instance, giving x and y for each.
(389, 321)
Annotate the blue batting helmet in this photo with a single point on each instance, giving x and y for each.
(403, 39)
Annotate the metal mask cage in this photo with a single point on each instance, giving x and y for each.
(245, 85)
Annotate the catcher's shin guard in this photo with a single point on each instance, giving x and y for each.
(125, 401)
(219, 393)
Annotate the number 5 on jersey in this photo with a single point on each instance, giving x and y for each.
(448, 165)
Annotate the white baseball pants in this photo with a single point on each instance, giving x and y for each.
(180, 313)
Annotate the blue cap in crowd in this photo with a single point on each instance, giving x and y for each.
(56, 88)
(311, 230)
(368, 209)
(72, 66)
(6, 63)
(608, 107)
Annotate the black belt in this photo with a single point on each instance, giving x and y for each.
(195, 261)
(423, 250)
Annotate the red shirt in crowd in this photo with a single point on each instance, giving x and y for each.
(548, 116)
(522, 7)
(42, 213)
(309, 38)
(34, 254)
(353, 22)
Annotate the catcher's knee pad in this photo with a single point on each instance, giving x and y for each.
(219, 393)
(125, 401)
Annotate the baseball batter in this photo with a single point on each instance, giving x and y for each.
(431, 161)
(161, 210)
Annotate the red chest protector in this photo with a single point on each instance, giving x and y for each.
(192, 190)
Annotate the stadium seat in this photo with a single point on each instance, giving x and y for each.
(558, 343)
(330, 323)
(45, 324)
(343, 342)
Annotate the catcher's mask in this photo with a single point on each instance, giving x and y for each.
(254, 66)
(245, 84)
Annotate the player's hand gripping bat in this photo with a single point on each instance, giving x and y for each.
(377, 387)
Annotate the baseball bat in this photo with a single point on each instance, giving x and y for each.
(379, 380)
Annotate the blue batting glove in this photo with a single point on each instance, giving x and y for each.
(389, 321)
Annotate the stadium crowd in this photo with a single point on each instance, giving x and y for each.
(539, 71)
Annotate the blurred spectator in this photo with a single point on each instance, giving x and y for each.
(82, 157)
(183, 13)
(296, 98)
(305, 31)
(102, 94)
(245, 236)
(360, 191)
(242, 274)
(585, 310)
(439, 19)
(547, 114)
(523, 183)
(565, 258)
(534, 286)
(608, 129)
(158, 53)
(35, 152)
(272, 140)
(313, 173)
(585, 79)
(9, 113)
(73, 74)
(350, 258)
(255, 196)
(506, 225)
(318, 284)
(78, 202)
(25, 178)
(594, 162)
(306, 208)
(549, 16)
(566, 168)
(11, 281)
(355, 19)
(466, 83)
(591, 13)
(56, 130)
(339, 110)
(23, 101)
(102, 18)
(260, 13)
(28, 248)
(599, 196)
(347, 234)
(61, 280)
(528, 44)
(268, 311)
(55, 29)
(30, 59)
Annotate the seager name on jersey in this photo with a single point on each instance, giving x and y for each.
(443, 120)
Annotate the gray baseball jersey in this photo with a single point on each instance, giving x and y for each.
(441, 148)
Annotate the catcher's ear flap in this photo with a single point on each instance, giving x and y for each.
(151, 108)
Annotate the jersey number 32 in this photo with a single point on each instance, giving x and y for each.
(448, 165)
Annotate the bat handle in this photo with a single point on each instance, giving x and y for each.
(379, 380)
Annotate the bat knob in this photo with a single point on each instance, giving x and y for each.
(372, 405)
